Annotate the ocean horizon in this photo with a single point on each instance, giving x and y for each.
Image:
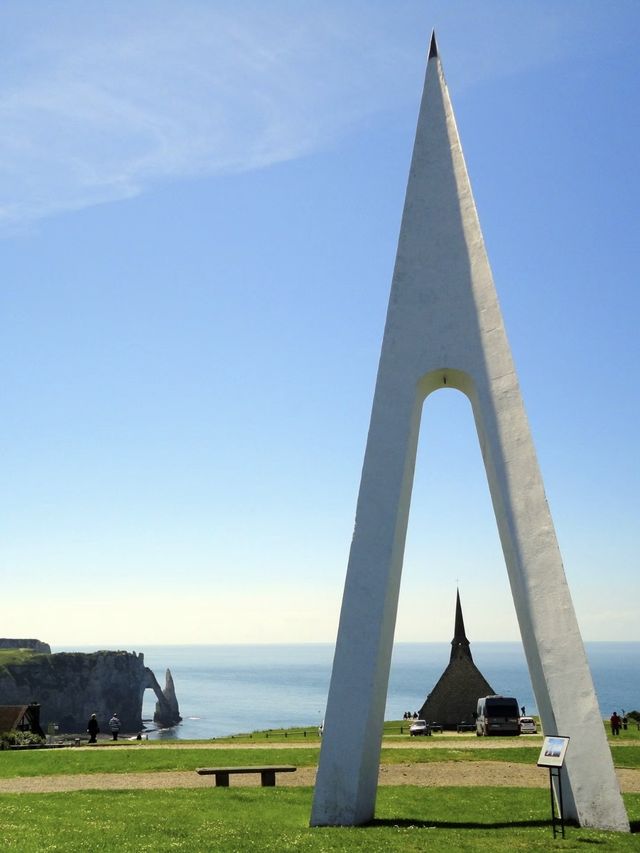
(231, 689)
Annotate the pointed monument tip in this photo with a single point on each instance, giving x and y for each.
(433, 47)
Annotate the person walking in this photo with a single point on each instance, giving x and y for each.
(93, 728)
(114, 725)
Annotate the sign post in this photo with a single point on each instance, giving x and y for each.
(552, 756)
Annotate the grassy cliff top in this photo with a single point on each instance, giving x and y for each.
(21, 657)
(9, 656)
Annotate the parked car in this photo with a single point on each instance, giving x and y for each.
(528, 726)
(420, 727)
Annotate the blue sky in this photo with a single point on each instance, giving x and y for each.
(199, 210)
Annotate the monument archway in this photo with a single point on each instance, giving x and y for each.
(444, 328)
(452, 538)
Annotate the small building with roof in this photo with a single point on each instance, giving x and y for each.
(20, 718)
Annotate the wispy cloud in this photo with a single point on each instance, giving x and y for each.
(99, 101)
(96, 108)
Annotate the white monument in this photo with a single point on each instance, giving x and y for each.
(444, 328)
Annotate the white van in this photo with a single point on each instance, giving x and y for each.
(497, 715)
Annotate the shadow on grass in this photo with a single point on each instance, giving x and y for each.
(451, 824)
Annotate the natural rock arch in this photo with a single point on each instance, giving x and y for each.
(167, 712)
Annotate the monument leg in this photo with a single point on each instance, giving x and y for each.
(556, 658)
(347, 779)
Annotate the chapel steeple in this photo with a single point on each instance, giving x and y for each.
(460, 645)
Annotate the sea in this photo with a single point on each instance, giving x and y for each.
(232, 689)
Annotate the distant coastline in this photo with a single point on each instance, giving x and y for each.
(227, 689)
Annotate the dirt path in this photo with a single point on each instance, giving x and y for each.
(440, 774)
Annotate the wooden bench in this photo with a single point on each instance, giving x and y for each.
(267, 774)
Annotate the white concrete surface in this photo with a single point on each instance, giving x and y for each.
(444, 329)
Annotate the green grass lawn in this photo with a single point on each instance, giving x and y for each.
(276, 819)
(408, 818)
(626, 756)
(135, 759)
(306, 733)
(140, 758)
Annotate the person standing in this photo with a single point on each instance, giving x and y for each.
(615, 723)
(93, 728)
(114, 725)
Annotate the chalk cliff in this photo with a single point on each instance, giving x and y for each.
(71, 686)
